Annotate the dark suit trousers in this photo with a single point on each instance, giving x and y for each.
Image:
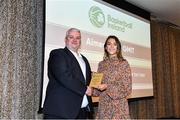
(83, 114)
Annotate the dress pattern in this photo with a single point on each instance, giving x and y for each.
(113, 102)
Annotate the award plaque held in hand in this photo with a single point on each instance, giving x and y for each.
(96, 79)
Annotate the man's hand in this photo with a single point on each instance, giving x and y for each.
(89, 91)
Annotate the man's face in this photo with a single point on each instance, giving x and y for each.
(73, 41)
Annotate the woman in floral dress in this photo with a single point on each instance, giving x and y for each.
(116, 85)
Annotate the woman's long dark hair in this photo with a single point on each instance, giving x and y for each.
(119, 53)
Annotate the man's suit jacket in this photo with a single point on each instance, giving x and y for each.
(67, 85)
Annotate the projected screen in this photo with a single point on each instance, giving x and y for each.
(97, 20)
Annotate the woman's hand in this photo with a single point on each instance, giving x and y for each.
(102, 87)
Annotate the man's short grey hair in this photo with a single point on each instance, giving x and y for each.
(70, 30)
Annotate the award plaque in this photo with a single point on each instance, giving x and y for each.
(96, 79)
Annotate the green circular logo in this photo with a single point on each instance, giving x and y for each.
(96, 16)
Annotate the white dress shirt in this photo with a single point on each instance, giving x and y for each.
(83, 69)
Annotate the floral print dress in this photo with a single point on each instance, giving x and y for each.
(113, 102)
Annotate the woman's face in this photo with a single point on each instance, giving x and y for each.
(111, 47)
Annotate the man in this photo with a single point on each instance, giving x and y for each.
(68, 94)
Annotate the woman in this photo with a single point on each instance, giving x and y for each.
(117, 82)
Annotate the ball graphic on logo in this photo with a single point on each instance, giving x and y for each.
(96, 16)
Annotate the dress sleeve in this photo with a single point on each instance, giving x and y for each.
(121, 87)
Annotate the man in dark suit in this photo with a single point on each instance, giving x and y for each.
(68, 93)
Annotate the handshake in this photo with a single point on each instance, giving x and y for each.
(100, 87)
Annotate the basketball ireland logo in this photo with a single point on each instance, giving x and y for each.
(96, 16)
